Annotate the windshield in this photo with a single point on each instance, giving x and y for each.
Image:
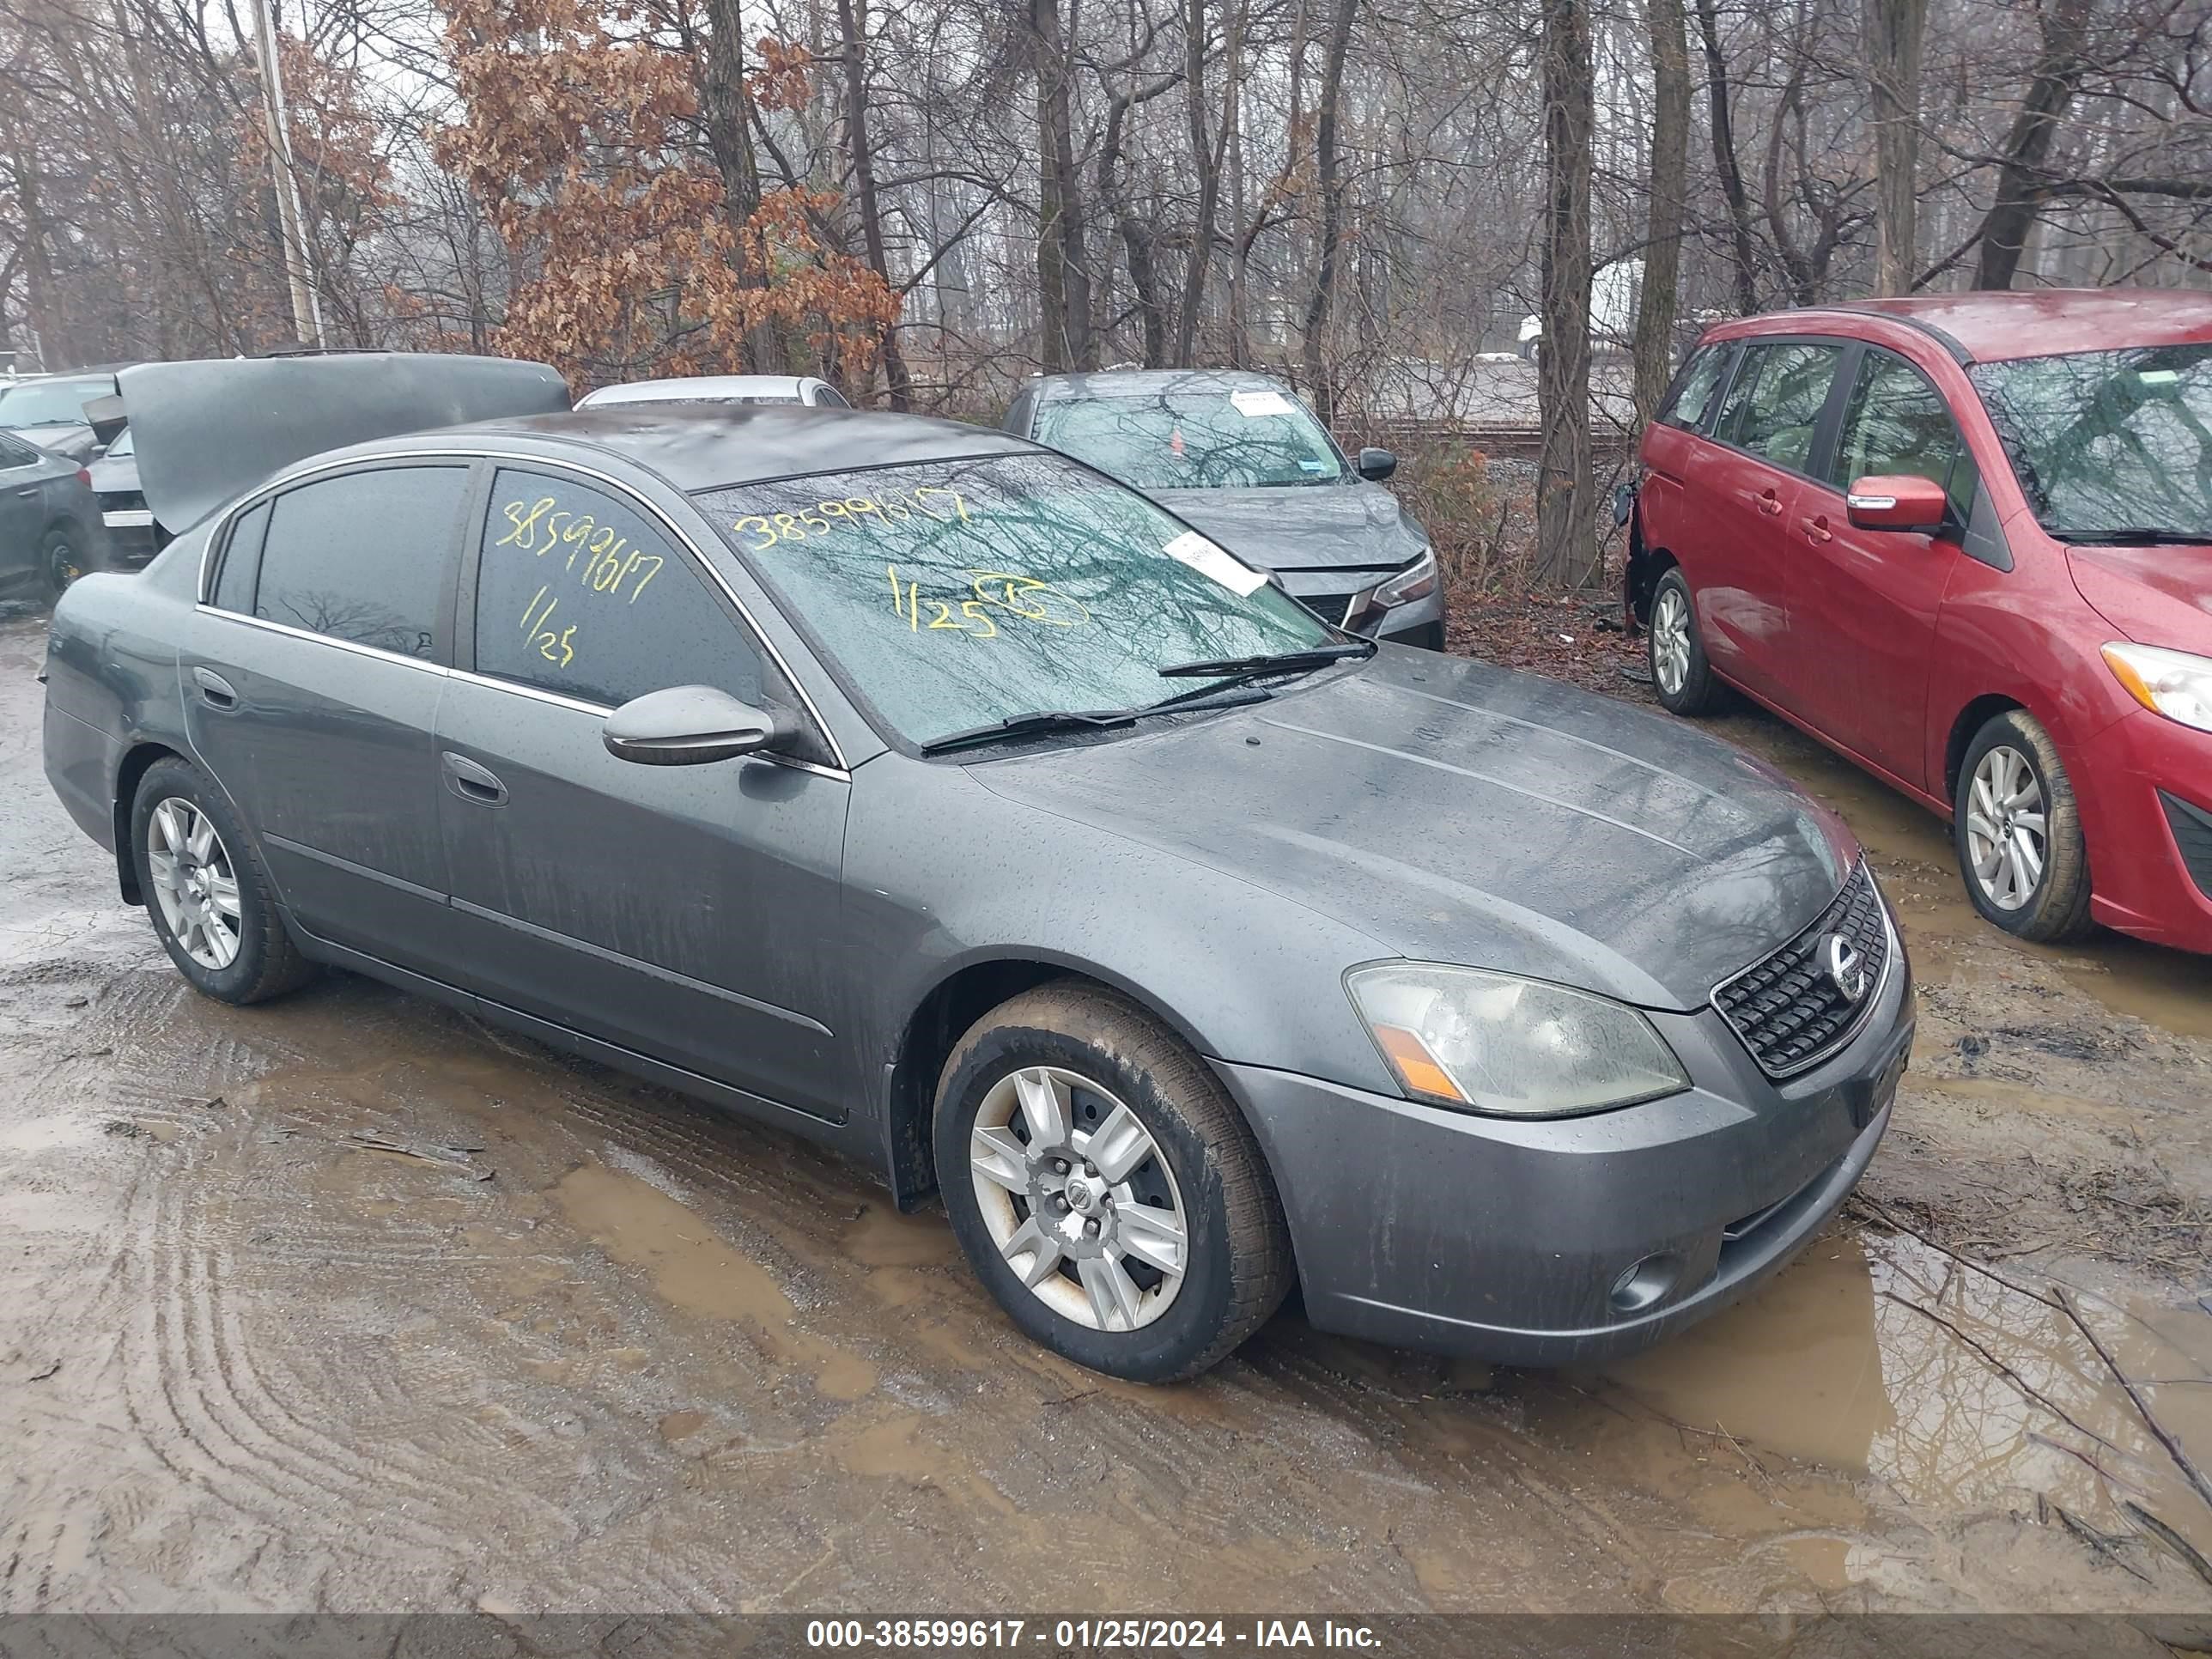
(2108, 440)
(50, 402)
(1255, 437)
(958, 594)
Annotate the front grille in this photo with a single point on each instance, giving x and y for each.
(1789, 1010)
(2192, 834)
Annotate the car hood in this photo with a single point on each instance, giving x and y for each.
(1303, 526)
(1458, 813)
(2153, 595)
(70, 440)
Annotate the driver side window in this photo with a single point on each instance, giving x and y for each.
(1899, 425)
(580, 592)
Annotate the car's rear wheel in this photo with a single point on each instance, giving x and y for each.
(210, 901)
(1680, 673)
(61, 559)
(2019, 832)
(1105, 1188)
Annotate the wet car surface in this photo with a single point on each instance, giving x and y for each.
(350, 1301)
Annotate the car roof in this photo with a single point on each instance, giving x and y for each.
(712, 446)
(1151, 382)
(1994, 327)
(704, 387)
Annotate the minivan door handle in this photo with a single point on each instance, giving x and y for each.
(1816, 529)
(472, 783)
(1770, 503)
(215, 691)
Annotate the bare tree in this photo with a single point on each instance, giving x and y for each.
(1668, 186)
(1565, 505)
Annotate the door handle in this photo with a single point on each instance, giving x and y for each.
(1770, 503)
(472, 783)
(215, 691)
(28, 489)
(1816, 529)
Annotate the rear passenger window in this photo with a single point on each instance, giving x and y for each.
(241, 559)
(1694, 392)
(364, 556)
(1776, 403)
(580, 592)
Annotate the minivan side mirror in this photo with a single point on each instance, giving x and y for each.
(1899, 502)
(1377, 464)
(693, 725)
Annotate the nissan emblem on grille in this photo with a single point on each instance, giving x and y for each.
(1846, 967)
(1801, 1003)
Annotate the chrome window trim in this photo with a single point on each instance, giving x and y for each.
(308, 634)
(219, 534)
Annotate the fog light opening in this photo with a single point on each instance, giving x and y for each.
(1645, 1283)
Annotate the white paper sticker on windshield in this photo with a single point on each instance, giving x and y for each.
(1251, 405)
(1202, 556)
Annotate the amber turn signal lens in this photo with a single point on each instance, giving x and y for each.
(1417, 1068)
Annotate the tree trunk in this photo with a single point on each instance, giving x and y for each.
(1893, 29)
(2059, 66)
(1565, 509)
(730, 141)
(1653, 349)
(1327, 176)
(1063, 277)
(1209, 150)
(1724, 158)
(853, 19)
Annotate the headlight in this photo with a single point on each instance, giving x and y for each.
(1519, 1048)
(1416, 581)
(2168, 683)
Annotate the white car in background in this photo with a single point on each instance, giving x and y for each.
(802, 389)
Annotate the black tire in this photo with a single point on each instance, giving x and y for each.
(1236, 1257)
(2054, 908)
(62, 559)
(267, 964)
(1684, 683)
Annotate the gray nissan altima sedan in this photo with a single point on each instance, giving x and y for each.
(926, 792)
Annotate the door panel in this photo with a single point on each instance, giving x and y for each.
(1863, 604)
(316, 709)
(1748, 479)
(688, 912)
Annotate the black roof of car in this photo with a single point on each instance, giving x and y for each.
(1152, 382)
(710, 445)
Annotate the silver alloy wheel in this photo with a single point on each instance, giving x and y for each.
(194, 882)
(1062, 1202)
(2006, 839)
(1670, 642)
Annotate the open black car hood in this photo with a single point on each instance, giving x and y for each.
(210, 429)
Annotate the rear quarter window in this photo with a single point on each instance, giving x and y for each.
(1694, 389)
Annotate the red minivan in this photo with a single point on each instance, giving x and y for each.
(1967, 541)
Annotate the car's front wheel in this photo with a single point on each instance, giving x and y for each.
(2019, 832)
(1104, 1187)
(210, 901)
(1680, 673)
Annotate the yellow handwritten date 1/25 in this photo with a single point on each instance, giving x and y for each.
(544, 526)
(558, 647)
(1019, 598)
(895, 507)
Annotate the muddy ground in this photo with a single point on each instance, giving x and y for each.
(621, 1353)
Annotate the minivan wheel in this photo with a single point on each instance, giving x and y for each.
(1680, 673)
(2019, 832)
(1105, 1188)
(210, 901)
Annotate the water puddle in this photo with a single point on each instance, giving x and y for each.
(1911, 848)
(694, 1270)
(1940, 1388)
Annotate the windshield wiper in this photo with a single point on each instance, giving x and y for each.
(2135, 535)
(1041, 720)
(1282, 662)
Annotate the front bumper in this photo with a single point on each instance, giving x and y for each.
(1506, 1239)
(2142, 879)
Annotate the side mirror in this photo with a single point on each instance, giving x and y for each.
(1899, 502)
(692, 726)
(1377, 464)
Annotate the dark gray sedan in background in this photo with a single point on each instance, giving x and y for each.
(925, 793)
(1240, 457)
(49, 525)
